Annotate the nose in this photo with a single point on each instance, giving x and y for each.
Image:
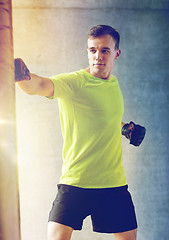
(98, 56)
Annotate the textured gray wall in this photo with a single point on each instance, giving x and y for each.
(51, 37)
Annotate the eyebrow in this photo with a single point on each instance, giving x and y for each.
(105, 48)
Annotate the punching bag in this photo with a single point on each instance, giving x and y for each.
(9, 194)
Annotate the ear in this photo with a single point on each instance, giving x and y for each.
(118, 54)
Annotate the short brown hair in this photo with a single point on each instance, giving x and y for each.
(101, 30)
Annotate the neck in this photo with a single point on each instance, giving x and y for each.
(98, 75)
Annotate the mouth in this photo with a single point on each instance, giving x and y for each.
(98, 64)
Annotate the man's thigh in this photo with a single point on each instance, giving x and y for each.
(114, 211)
(129, 235)
(57, 231)
(70, 207)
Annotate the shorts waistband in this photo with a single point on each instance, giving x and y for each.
(115, 189)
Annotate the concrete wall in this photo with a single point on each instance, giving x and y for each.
(51, 37)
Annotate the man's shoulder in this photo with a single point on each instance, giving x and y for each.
(68, 74)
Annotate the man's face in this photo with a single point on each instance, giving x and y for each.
(101, 55)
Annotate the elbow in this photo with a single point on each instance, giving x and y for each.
(31, 93)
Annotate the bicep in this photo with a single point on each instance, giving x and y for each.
(46, 88)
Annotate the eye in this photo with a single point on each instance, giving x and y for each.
(105, 51)
(92, 50)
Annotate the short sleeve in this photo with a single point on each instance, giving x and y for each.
(65, 85)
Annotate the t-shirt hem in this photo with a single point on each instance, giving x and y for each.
(95, 186)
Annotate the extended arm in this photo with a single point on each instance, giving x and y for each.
(31, 83)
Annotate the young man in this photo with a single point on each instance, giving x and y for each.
(93, 180)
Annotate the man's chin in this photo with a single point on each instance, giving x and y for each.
(98, 67)
(96, 72)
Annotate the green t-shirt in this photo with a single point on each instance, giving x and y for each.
(91, 111)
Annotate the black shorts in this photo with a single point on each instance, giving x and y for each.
(111, 209)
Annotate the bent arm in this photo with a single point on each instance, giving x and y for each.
(37, 86)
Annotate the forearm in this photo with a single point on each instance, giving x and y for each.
(31, 86)
(30, 83)
(37, 86)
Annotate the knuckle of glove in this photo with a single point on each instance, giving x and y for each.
(126, 131)
(137, 135)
